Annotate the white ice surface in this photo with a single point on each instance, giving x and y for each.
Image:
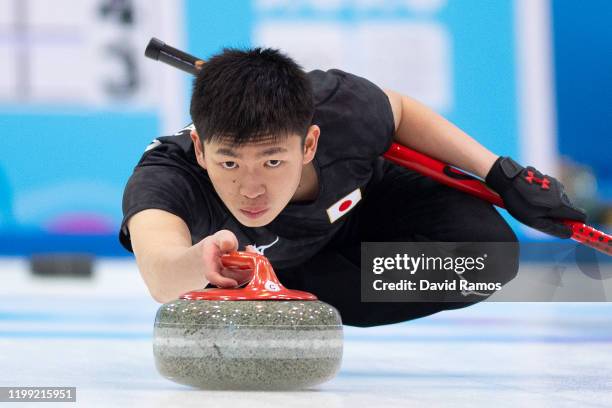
(96, 335)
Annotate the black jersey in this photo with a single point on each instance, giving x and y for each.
(357, 127)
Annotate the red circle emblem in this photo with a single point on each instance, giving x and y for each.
(345, 205)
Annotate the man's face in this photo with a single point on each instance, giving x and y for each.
(256, 181)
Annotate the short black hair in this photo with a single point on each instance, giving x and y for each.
(243, 96)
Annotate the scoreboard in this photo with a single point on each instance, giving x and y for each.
(88, 54)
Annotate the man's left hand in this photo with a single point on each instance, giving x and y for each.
(533, 198)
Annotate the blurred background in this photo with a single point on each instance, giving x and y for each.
(79, 102)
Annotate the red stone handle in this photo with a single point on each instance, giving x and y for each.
(263, 273)
(263, 286)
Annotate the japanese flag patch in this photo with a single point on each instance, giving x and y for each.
(344, 205)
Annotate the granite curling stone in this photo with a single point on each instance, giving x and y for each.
(260, 337)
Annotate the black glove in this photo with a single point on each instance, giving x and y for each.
(532, 198)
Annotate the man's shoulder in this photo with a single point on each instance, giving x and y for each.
(354, 115)
(181, 139)
(325, 83)
(170, 148)
(336, 85)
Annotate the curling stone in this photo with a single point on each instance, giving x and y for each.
(260, 337)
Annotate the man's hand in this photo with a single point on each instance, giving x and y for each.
(536, 200)
(213, 248)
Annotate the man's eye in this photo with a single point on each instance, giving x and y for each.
(224, 163)
(278, 163)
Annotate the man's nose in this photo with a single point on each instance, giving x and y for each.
(252, 187)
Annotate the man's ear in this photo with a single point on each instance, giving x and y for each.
(311, 142)
(198, 147)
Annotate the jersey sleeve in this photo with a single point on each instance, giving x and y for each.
(363, 113)
(158, 187)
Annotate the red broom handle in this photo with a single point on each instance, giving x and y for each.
(453, 177)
